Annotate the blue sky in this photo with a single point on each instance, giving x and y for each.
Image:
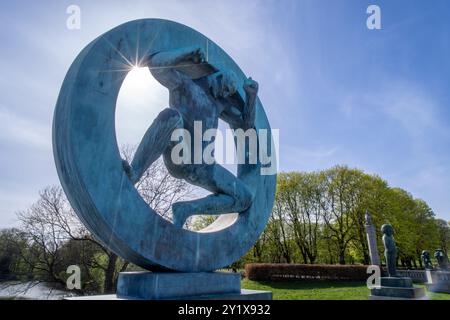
(339, 93)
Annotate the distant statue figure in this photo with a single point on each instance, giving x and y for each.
(441, 258)
(390, 249)
(368, 218)
(202, 98)
(426, 259)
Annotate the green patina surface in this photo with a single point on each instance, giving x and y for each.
(320, 290)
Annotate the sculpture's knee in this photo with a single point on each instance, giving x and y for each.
(170, 117)
(244, 198)
(129, 171)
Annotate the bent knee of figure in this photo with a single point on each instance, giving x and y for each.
(171, 117)
(244, 198)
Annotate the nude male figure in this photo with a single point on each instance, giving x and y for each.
(390, 249)
(205, 99)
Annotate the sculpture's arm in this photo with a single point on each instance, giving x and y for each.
(244, 119)
(233, 116)
(383, 239)
(163, 64)
(249, 112)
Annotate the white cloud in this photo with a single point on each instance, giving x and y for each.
(412, 108)
(318, 152)
(410, 118)
(294, 157)
(9, 206)
(407, 104)
(16, 129)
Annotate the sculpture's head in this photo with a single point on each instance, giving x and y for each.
(387, 229)
(222, 84)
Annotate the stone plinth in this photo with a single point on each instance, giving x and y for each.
(180, 286)
(439, 282)
(443, 287)
(396, 288)
(169, 285)
(243, 295)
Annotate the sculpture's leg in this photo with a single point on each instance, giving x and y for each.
(390, 264)
(394, 268)
(154, 142)
(230, 195)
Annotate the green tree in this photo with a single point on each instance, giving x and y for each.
(319, 217)
(12, 244)
(342, 196)
(298, 203)
(443, 228)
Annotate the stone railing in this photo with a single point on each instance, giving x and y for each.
(440, 276)
(419, 276)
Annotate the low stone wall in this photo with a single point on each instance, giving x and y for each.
(440, 282)
(420, 276)
(440, 276)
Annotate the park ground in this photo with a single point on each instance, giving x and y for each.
(320, 290)
(282, 290)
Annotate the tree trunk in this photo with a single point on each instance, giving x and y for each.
(312, 258)
(363, 243)
(303, 253)
(109, 283)
(408, 263)
(341, 252)
(420, 259)
(342, 257)
(287, 257)
(366, 258)
(330, 253)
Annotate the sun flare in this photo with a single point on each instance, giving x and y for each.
(138, 78)
(140, 100)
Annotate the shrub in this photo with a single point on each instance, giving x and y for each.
(279, 271)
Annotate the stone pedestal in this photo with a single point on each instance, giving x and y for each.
(169, 285)
(439, 282)
(244, 294)
(393, 288)
(443, 287)
(181, 286)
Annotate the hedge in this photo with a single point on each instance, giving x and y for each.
(282, 271)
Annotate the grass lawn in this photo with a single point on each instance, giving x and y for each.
(320, 290)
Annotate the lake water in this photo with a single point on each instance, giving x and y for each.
(31, 290)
